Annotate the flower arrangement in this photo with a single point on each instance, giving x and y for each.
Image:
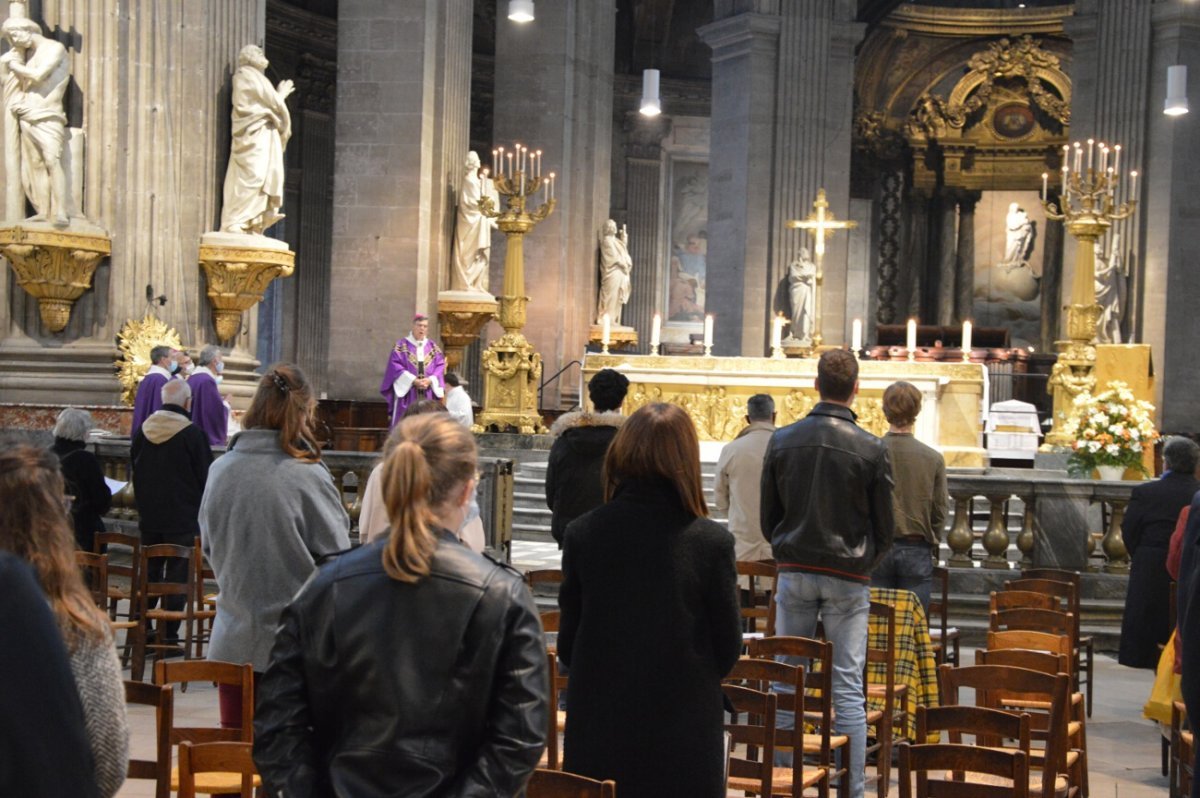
(1110, 429)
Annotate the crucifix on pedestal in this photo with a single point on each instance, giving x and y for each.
(820, 223)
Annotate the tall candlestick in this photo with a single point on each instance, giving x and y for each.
(966, 340)
(1133, 185)
(656, 334)
(856, 335)
(911, 342)
(708, 333)
(539, 163)
(606, 336)
(1091, 143)
(510, 165)
(1103, 157)
(1045, 184)
(1117, 159)
(493, 160)
(776, 333)
(500, 167)
(1078, 157)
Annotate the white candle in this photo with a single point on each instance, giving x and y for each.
(551, 185)
(607, 334)
(493, 160)
(656, 333)
(776, 332)
(1078, 156)
(1117, 159)
(510, 165)
(912, 335)
(708, 329)
(1045, 184)
(1091, 143)
(1133, 185)
(966, 340)
(856, 335)
(1103, 157)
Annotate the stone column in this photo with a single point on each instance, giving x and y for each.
(150, 89)
(403, 101)
(554, 92)
(964, 279)
(916, 257)
(891, 236)
(947, 216)
(643, 183)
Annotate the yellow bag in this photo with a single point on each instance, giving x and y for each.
(1166, 686)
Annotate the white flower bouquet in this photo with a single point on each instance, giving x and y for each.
(1113, 428)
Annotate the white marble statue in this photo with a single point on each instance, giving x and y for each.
(473, 230)
(1018, 237)
(615, 266)
(802, 279)
(34, 74)
(1110, 291)
(261, 128)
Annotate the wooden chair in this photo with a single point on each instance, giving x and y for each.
(543, 576)
(945, 638)
(556, 784)
(227, 673)
(947, 758)
(198, 760)
(558, 683)
(1034, 620)
(757, 733)
(1179, 779)
(756, 604)
(894, 711)
(821, 744)
(1085, 653)
(988, 726)
(162, 698)
(205, 604)
(1023, 600)
(118, 592)
(160, 615)
(94, 568)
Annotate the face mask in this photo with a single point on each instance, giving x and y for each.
(189, 368)
(174, 367)
(218, 379)
(220, 366)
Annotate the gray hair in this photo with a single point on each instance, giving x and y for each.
(176, 392)
(73, 424)
(1181, 454)
(159, 352)
(207, 355)
(760, 407)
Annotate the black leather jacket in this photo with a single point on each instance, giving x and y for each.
(827, 495)
(378, 687)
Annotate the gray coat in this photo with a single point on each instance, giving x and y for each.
(265, 519)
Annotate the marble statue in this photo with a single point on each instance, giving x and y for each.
(34, 74)
(1018, 237)
(473, 230)
(615, 266)
(261, 128)
(1110, 291)
(802, 278)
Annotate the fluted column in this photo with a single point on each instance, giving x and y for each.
(643, 182)
(1052, 268)
(964, 279)
(947, 258)
(152, 99)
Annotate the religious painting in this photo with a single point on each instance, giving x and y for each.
(1010, 229)
(687, 241)
(1013, 121)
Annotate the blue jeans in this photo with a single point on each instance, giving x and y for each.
(907, 566)
(843, 607)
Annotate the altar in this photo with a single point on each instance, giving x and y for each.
(714, 390)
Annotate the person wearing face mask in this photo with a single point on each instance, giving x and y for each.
(163, 366)
(210, 411)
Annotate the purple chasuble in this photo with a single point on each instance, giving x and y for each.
(208, 408)
(148, 399)
(404, 360)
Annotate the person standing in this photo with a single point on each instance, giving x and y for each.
(738, 487)
(90, 495)
(827, 510)
(415, 371)
(1150, 518)
(171, 457)
(918, 498)
(163, 365)
(210, 411)
(458, 402)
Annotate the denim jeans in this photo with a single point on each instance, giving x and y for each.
(907, 566)
(843, 607)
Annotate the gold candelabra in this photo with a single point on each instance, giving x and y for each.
(1094, 195)
(512, 369)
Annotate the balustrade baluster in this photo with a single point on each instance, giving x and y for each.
(1116, 556)
(1025, 537)
(960, 539)
(995, 538)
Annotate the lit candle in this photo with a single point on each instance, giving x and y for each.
(1117, 159)
(912, 335)
(856, 335)
(1133, 185)
(1091, 143)
(708, 329)
(552, 186)
(606, 336)
(539, 163)
(1103, 157)
(1112, 184)
(493, 160)
(500, 168)
(1045, 185)
(656, 333)
(966, 340)
(1078, 156)
(776, 333)
(510, 165)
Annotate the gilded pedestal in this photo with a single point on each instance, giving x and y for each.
(238, 275)
(461, 315)
(55, 266)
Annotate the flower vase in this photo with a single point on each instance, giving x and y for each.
(1111, 473)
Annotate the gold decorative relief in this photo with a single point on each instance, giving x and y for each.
(237, 279)
(135, 341)
(54, 267)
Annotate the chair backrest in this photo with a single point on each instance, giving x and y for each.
(886, 656)
(761, 580)
(95, 575)
(939, 601)
(1034, 660)
(763, 675)
(1064, 587)
(1024, 599)
(558, 683)
(1057, 574)
(988, 726)
(1058, 645)
(818, 679)
(221, 757)
(147, 589)
(102, 541)
(1034, 620)
(543, 576)
(557, 784)
(227, 673)
(944, 758)
(756, 732)
(550, 620)
(162, 698)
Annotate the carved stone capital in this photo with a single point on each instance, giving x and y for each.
(54, 266)
(645, 135)
(237, 279)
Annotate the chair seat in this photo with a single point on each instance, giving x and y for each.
(115, 592)
(812, 742)
(215, 783)
(1035, 781)
(936, 633)
(168, 615)
(781, 782)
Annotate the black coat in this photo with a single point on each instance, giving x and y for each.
(573, 475)
(169, 474)
(649, 627)
(85, 482)
(1150, 518)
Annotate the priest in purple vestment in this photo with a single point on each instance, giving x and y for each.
(149, 393)
(415, 370)
(210, 412)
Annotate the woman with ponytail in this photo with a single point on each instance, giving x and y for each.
(410, 665)
(270, 513)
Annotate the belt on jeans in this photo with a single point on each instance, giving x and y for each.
(910, 539)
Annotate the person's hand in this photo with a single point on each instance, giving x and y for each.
(10, 56)
(422, 383)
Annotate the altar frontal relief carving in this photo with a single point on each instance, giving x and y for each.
(1010, 231)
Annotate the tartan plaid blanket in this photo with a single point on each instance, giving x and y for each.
(915, 664)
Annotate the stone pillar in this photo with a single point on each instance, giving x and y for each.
(150, 89)
(643, 183)
(403, 101)
(916, 257)
(554, 92)
(964, 279)
(947, 217)
(891, 236)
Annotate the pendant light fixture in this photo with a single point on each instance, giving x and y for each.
(1177, 102)
(651, 105)
(520, 10)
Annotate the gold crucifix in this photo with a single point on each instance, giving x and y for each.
(820, 223)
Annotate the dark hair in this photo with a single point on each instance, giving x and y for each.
(159, 352)
(423, 406)
(427, 459)
(284, 401)
(657, 442)
(760, 407)
(901, 404)
(607, 390)
(1181, 454)
(837, 374)
(452, 379)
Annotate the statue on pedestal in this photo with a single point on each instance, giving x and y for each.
(1018, 237)
(261, 128)
(615, 266)
(1110, 291)
(473, 230)
(801, 281)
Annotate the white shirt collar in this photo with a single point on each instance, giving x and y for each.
(420, 345)
(203, 370)
(156, 369)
